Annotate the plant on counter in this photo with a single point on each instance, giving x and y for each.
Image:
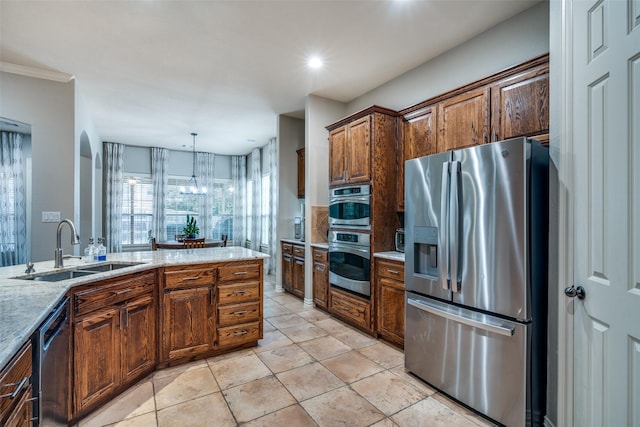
(191, 230)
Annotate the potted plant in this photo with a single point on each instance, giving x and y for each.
(191, 230)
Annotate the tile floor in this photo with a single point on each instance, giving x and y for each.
(309, 370)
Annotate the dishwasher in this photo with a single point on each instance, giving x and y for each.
(51, 368)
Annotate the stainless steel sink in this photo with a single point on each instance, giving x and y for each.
(56, 276)
(110, 266)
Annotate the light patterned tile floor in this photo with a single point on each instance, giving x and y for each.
(309, 370)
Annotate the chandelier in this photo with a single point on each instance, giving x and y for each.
(192, 186)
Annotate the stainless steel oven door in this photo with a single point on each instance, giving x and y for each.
(350, 267)
(351, 211)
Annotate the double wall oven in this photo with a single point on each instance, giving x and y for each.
(350, 239)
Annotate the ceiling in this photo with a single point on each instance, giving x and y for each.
(150, 72)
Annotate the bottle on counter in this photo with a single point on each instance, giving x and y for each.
(89, 251)
(101, 251)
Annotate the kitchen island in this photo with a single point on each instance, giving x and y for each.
(153, 309)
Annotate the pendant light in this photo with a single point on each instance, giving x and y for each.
(192, 186)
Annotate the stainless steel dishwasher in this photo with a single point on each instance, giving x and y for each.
(51, 368)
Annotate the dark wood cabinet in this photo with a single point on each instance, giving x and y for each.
(351, 308)
(463, 120)
(301, 186)
(389, 282)
(188, 327)
(350, 153)
(16, 407)
(520, 104)
(321, 278)
(338, 156)
(293, 268)
(287, 266)
(114, 337)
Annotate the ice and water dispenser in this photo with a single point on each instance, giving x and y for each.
(425, 240)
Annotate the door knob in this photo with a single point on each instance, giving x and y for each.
(573, 291)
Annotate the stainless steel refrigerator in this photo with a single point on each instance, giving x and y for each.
(476, 243)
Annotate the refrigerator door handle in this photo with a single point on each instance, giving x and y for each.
(443, 235)
(455, 262)
(503, 329)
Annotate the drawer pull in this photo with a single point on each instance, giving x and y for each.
(239, 312)
(20, 386)
(124, 291)
(345, 308)
(186, 279)
(238, 273)
(238, 333)
(393, 271)
(240, 292)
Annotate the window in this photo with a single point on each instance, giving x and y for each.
(249, 208)
(177, 206)
(266, 193)
(137, 195)
(222, 209)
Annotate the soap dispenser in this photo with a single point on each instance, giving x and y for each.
(89, 251)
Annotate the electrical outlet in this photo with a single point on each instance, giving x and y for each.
(50, 216)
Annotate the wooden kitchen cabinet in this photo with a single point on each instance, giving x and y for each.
(16, 408)
(520, 104)
(298, 271)
(418, 138)
(338, 156)
(463, 120)
(321, 278)
(116, 320)
(351, 308)
(301, 186)
(239, 310)
(287, 266)
(390, 289)
(188, 326)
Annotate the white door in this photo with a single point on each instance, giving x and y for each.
(606, 204)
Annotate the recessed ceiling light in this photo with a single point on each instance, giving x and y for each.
(314, 62)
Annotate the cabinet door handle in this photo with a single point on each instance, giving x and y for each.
(124, 291)
(320, 267)
(393, 271)
(238, 333)
(239, 312)
(495, 135)
(237, 273)
(345, 308)
(20, 386)
(126, 317)
(240, 292)
(186, 279)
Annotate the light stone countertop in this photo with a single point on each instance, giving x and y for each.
(392, 255)
(24, 304)
(320, 245)
(292, 240)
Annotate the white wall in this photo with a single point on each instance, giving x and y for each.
(511, 42)
(291, 136)
(49, 108)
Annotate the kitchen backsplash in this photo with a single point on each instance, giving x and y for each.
(319, 224)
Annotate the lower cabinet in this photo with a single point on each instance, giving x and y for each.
(114, 337)
(389, 282)
(287, 266)
(16, 407)
(353, 309)
(293, 268)
(321, 278)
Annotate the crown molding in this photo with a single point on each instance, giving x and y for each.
(38, 73)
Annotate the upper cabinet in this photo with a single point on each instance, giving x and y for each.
(300, 153)
(349, 152)
(509, 104)
(520, 104)
(463, 120)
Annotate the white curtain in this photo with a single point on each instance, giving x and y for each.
(239, 177)
(13, 207)
(204, 171)
(256, 200)
(273, 206)
(113, 165)
(160, 178)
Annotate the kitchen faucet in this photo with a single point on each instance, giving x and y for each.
(75, 240)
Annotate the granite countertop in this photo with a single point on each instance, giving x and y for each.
(392, 255)
(24, 304)
(320, 245)
(292, 240)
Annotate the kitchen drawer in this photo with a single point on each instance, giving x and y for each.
(241, 334)
(15, 379)
(238, 293)
(321, 255)
(298, 251)
(390, 269)
(351, 308)
(238, 272)
(110, 292)
(187, 278)
(235, 314)
(287, 248)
